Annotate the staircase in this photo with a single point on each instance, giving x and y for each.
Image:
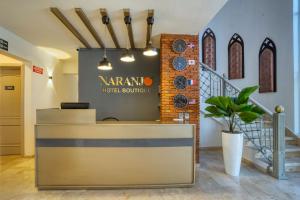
(292, 154)
(259, 135)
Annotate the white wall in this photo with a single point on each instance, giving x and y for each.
(210, 132)
(69, 72)
(296, 32)
(254, 20)
(67, 82)
(40, 92)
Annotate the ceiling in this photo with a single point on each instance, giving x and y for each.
(33, 21)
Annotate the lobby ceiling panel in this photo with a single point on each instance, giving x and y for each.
(33, 20)
(106, 20)
(69, 26)
(127, 21)
(89, 26)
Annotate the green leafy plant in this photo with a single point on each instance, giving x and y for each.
(231, 107)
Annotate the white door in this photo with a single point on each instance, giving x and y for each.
(10, 110)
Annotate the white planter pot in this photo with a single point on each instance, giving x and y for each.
(232, 152)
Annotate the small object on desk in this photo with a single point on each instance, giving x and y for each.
(187, 116)
(180, 115)
(110, 119)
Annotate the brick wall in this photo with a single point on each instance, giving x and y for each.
(167, 110)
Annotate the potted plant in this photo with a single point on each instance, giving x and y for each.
(231, 109)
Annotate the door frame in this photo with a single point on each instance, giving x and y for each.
(27, 129)
(19, 66)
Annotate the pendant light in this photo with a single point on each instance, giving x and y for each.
(127, 55)
(150, 50)
(104, 64)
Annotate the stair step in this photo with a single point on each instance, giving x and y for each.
(292, 148)
(288, 140)
(292, 151)
(291, 140)
(292, 164)
(295, 161)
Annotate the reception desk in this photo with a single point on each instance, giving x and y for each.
(75, 153)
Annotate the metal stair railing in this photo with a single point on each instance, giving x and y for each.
(260, 132)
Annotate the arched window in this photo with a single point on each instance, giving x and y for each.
(267, 66)
(236, 57)
(209, 48)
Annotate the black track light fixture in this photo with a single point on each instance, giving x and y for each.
(104, 64)
(150, 50)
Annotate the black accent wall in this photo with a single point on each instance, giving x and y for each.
(126, 102)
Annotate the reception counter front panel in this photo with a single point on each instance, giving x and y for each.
(114, 155)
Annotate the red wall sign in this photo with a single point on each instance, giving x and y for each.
(37, 70)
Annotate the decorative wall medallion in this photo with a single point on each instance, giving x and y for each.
(180, 101)
(180, 82)
(179, 46)
(179, 63)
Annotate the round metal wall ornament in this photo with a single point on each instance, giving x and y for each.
(180, 101)
(179, 45)
(180, 82)
(179, 63)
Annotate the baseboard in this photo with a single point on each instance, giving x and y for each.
(210, 148)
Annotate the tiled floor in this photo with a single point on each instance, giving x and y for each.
(17, 183)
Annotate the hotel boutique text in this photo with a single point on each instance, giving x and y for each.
(125, 85)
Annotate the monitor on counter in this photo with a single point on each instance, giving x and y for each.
(75, 105)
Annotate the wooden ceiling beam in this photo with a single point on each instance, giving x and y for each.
(103, 13)
(69, 26)
(89, 26)
(149, 26)
(127, 20)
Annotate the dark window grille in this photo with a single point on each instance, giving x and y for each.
(209, 48)
(236, 57)
(267, 66)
